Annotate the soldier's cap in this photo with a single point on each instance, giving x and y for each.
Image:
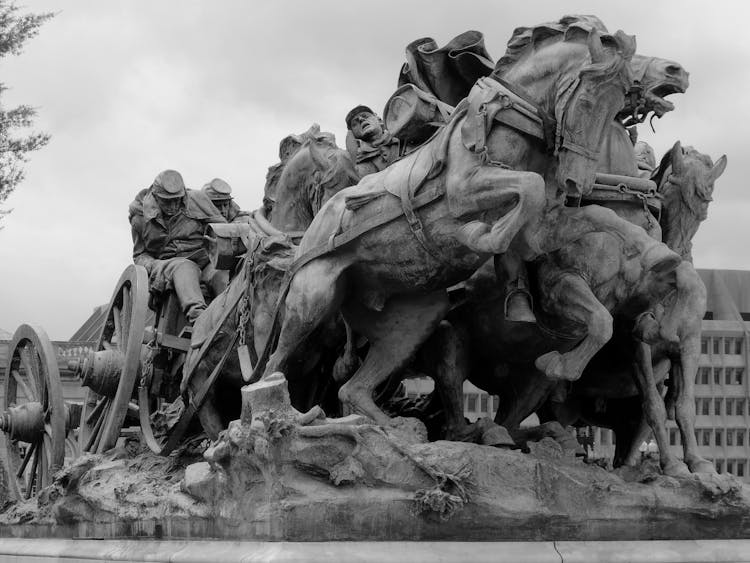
(218, 189)
(168, 184)
(355, 112)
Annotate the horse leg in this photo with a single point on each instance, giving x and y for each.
(447, 351)
(655, 411)
(395, 334)
(683, 378)
(488, 188)
(632, 453)
(564, 226)
(574, 301)
(684, 319)
(315, 294)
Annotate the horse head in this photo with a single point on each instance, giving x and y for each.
(655, 79)
(686, 179)
(587, 104)
(317, 170)
(579, 74)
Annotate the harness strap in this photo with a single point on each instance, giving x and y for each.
(493, 99)
(423, 199)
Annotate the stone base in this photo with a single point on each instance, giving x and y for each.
(282, 475)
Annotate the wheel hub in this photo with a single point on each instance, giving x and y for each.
(23, 422)
(100, 371)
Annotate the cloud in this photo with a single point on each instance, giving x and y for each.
(130, 88)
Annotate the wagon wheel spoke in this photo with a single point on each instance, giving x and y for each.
(117, 335)
(29, 453)
(126, 315)
(32, 474)
(21, 384)
(30, 376)
(94, 414)
(96, 430)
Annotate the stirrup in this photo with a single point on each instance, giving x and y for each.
(529, 297)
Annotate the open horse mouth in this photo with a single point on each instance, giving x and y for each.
(656, 97)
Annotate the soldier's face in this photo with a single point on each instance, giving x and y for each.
(366, 126)
(169, 206)
(223, 205)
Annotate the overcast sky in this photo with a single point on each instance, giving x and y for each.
(129, 88)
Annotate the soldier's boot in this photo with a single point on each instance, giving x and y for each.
(519, 304)
(186, 282)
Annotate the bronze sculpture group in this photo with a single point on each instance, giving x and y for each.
(506, 231)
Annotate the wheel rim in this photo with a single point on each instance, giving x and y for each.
(33, 413)
(105, 406)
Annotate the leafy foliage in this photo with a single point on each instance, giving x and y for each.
(15, 30)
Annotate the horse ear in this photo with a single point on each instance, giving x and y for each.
(678, 163)
(718, 168)
(625, 44)
(317, 156)
(596, 48)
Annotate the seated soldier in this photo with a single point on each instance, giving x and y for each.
(372, 147)
(644, 159)
(167, 223)
(220, 194)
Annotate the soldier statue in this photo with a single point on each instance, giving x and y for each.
(168, 223)
(372, 147)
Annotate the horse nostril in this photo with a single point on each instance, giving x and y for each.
(571, 186)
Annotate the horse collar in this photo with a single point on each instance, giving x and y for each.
(493, 99)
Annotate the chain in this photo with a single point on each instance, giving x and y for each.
(643, 196)
(244, 319)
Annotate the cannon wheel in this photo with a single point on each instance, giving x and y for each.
(103, 415)
(33, 418)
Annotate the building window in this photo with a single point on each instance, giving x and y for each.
(719, 437)
(717, 406)
(717, 345)
(728, 376)
(704, 375)
(728, 348)
(706, 437)
(717, 375)
(496, 403)
(729, 407)
(719, 465)
(704, 345)
(740, 407)
(740, 433)
(604, 437)
(471, 402)
(740, 468)
(730, 437)
(484, 402)
(738, 345)
(738, 373)
(730, 466)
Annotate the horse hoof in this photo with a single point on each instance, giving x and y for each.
(702, 466)
(676, 469)
(659, 259)
(551, 364)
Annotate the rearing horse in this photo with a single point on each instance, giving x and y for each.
(476, 189)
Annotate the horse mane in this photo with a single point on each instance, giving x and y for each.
(304, 183)
(576, 29)
(525, 39)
